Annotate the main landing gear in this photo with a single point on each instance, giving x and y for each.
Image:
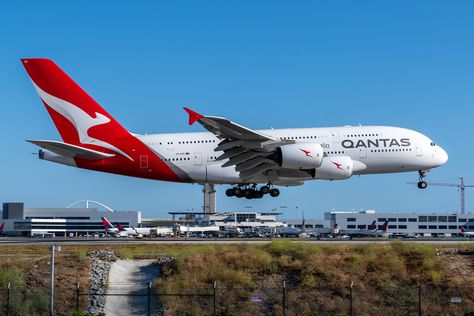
(251, 191)
(421, 182)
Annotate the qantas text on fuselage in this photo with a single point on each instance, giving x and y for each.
(228, 153)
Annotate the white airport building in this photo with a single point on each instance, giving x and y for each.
(78, 221)
(407, 223)
(232, 219)
(21, 221)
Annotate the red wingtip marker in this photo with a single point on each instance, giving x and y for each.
(193, 116)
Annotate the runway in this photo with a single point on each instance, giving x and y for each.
(11, 241)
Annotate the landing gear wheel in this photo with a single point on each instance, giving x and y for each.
(229, 192)
(237, 192)
(421, 182)
(422, 185)
(265, 189)
(248, 193)
(274, 192)
(257, 194)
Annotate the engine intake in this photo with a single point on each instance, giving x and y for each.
(299, 156)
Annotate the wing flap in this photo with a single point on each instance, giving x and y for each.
(71, 151)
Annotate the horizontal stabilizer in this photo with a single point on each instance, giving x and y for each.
(71, 151)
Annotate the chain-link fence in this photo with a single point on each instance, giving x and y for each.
(225, 299)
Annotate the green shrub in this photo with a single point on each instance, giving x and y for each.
(12, 275)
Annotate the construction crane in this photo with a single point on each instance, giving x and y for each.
(462, 187)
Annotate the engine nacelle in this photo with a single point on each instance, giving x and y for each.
(335, 168)
(300, 156)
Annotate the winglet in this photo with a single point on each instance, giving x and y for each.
(193, 116)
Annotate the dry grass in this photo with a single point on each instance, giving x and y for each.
(317, 276)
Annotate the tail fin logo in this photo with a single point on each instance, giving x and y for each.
(1, 227)
(80, 119)
(372, 226)
(107, 224)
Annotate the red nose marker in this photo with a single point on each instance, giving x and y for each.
(193, 116)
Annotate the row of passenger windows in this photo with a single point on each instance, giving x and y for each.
(185, 142)
(177, 159)
(387, 150)
(299, 137)
(361, 135)
(333, 152)
(196, 142)
(187, 158)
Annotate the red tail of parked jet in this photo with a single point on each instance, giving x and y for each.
(93, 139)
(1, 227)
(107, 224)
(372, 226)
(385, 226)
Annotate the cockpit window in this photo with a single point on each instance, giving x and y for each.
(433, 144)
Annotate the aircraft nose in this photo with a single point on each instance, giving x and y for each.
(442, 156)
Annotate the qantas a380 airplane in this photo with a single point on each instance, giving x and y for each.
(228, 153)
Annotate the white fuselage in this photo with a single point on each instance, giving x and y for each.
(374, 149)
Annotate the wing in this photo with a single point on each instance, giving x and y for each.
(69, 150)
(246, 149)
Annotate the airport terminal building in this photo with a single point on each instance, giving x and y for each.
(21, 221)
(430, 224)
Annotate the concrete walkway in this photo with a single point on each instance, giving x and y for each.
(130, 277)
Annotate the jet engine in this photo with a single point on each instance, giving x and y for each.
(335, 168)
(299, 156)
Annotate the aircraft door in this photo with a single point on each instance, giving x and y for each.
(197, 159)
(362, 153)
(419, 150)
(335, 136)
(143, 161)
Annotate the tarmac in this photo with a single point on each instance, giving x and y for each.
(11, 241)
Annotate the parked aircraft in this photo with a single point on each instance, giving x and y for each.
(228, 153)
(372, 231)
(2, 228)
(465, 232)
(110, 228)
(145, 231)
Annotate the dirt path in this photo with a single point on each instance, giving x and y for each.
(130, 277)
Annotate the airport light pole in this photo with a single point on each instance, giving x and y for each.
(51, 302)
(419, 298)
(284, 298)
(8, 299)
(351, 308)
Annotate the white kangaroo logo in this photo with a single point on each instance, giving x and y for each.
(80, 119)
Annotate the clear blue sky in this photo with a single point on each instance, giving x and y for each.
(260, 63)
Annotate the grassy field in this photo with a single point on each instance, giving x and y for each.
(317, 277)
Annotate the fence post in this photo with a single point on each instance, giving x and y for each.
(419, 298)
(8, 299)
(214, 293)
(77, 295)
(149, 299)
(284, 298)
(351, 311)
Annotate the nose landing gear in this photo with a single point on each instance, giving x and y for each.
(251, 191)
(421, 182)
